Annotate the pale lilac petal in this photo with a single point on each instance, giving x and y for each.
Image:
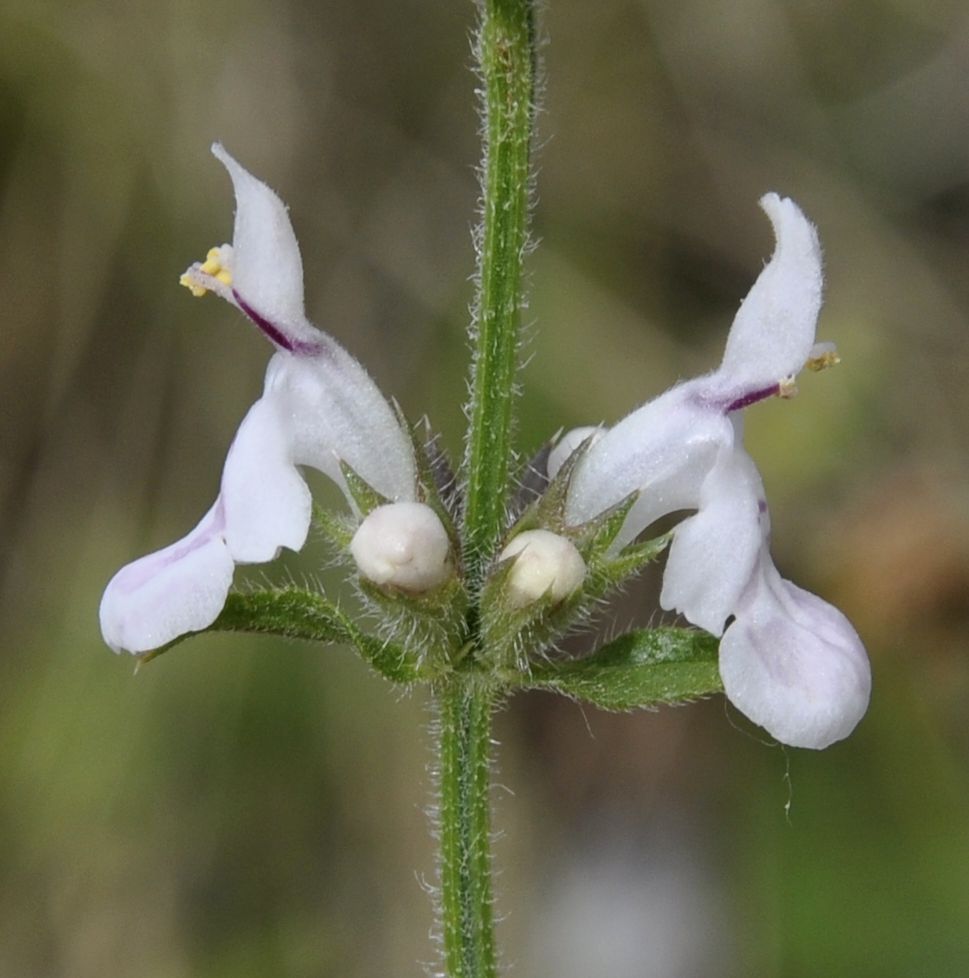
(713, 554)
(664, 450)
(166, 594)
(793, 663)
(267, 503)
(333, 411)
(774, 329)
(315, 411)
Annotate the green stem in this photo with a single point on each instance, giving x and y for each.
(506, 58)
(465, 706)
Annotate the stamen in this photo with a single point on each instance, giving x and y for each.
(787, 388)
(822, 356)
(197, 290)
(217, 265)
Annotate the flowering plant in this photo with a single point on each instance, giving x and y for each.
(474, 585)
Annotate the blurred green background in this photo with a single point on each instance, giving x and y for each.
(246, 808)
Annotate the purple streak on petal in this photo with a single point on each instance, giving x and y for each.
(753, 397)
(274, 333)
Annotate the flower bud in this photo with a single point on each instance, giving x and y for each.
(546, 566)
(404, 545)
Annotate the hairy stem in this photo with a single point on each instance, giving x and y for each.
(465, 700)
(506, 61)
(465, 706)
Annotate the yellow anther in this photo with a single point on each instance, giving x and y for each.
(822, 355)
(192, 286)
(213, 262)
(787, 388)
(216, 265)
(828, 358)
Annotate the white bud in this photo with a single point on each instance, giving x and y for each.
(567, 444)
(404, 545)
(546, 565)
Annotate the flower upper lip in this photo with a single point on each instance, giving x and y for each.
(261, 272)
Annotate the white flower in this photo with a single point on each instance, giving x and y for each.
(319, 408)
(788, 660)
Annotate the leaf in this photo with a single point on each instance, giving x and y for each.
(645, 668)
(291, 612)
